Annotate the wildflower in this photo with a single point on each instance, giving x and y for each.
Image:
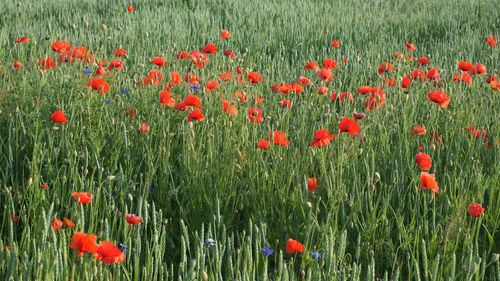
(209, 242)
(125, 91)
(123, 248)
(84, 243)
(108, 101)
(195, 87)
(59, 117)
(86, 71)
(293, 246)
(316, 255)
(267, 251)
(82, 198)
(312, 184)
(133, 219)
(475, 209)
(109, 253)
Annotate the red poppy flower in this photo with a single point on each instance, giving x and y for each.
(166, 99)
(428, 181)
(418, 74)
(226, 76)
(303, 80)
(47, 63)
(359, 115)
(329, 64)
(225, 34)
(209, 49)
(130, 112)
(240, 95)
(182, 55)
(196, 115)
(478, 69)
(82, 198)
(311, 65)
(325, 74)
(17, 64)
(341, 97)
(229, 108)
(109, 253)
(130, 8)
(433, 74)
(322, 138)
(98, 84)
(335, 43)
(384, 67)
(349, 125)
(410, 47)
(296, 88)
(312, 184)
(439, 97)
(475, 210)
(389, 82)
(69, 223)
(279, 138)
(322, 90)
(212, 85)
(423, 161)
(182, 106)
(115, 64)
(133, 219)
(418, 130)
(436, 137)
(376, 100)
(24, 39)
(229, 53)
(192, 100)
(84, 243)
(255, 115)
(60, 46)
(159, 61)
(254, 77)
(476, 133)
(144, 128)
(101, 71)
(263, 144)
(119, 52)
(45, 185)
(491, 40)
(465, 66)
(285, 103)
(464, 76)
(14, 218)
(293, 246)
(56, 224)
(423, 61)
(58, 117)
(363, 90)
(198, 58)
(176, 78)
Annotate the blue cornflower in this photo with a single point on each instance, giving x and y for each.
(86, 71)
(74, 43)
(151, 189)
(196, 87)
(123, 248)
(209, 242)
(316, 255)
(125, 91)
(108, 101)
(267, 251)
(263, 46)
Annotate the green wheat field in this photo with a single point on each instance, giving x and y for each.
(185, 178)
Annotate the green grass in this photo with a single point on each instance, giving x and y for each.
(367, 228)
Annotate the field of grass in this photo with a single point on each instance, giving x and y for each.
(211, 201)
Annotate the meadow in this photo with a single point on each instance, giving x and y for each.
(186, 182)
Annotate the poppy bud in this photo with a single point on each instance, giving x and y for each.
(377, 177)
(433, 147)
(372, 253)
(120, 28)
(73, 26)
(104, 27)
(360, 151)
(192, 132)
(190, 125)
(256, 229)
(57, 202)
(119, 213)
(76, 153)
(407, 97)
(309, 205)
(86, 172)
(86, 23)
(476, 266)
(110, 178)
(30, 181)
(55, 128)
(204, 276)
(109, 37)
(147, 34)
(230, 124)
(130, 197)
(494, 257)
(303, 273)
(112, 208)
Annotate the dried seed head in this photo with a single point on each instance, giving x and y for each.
(86, 23)
(30, 181)
(309, 205)
(104, 27)
(130, 197)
